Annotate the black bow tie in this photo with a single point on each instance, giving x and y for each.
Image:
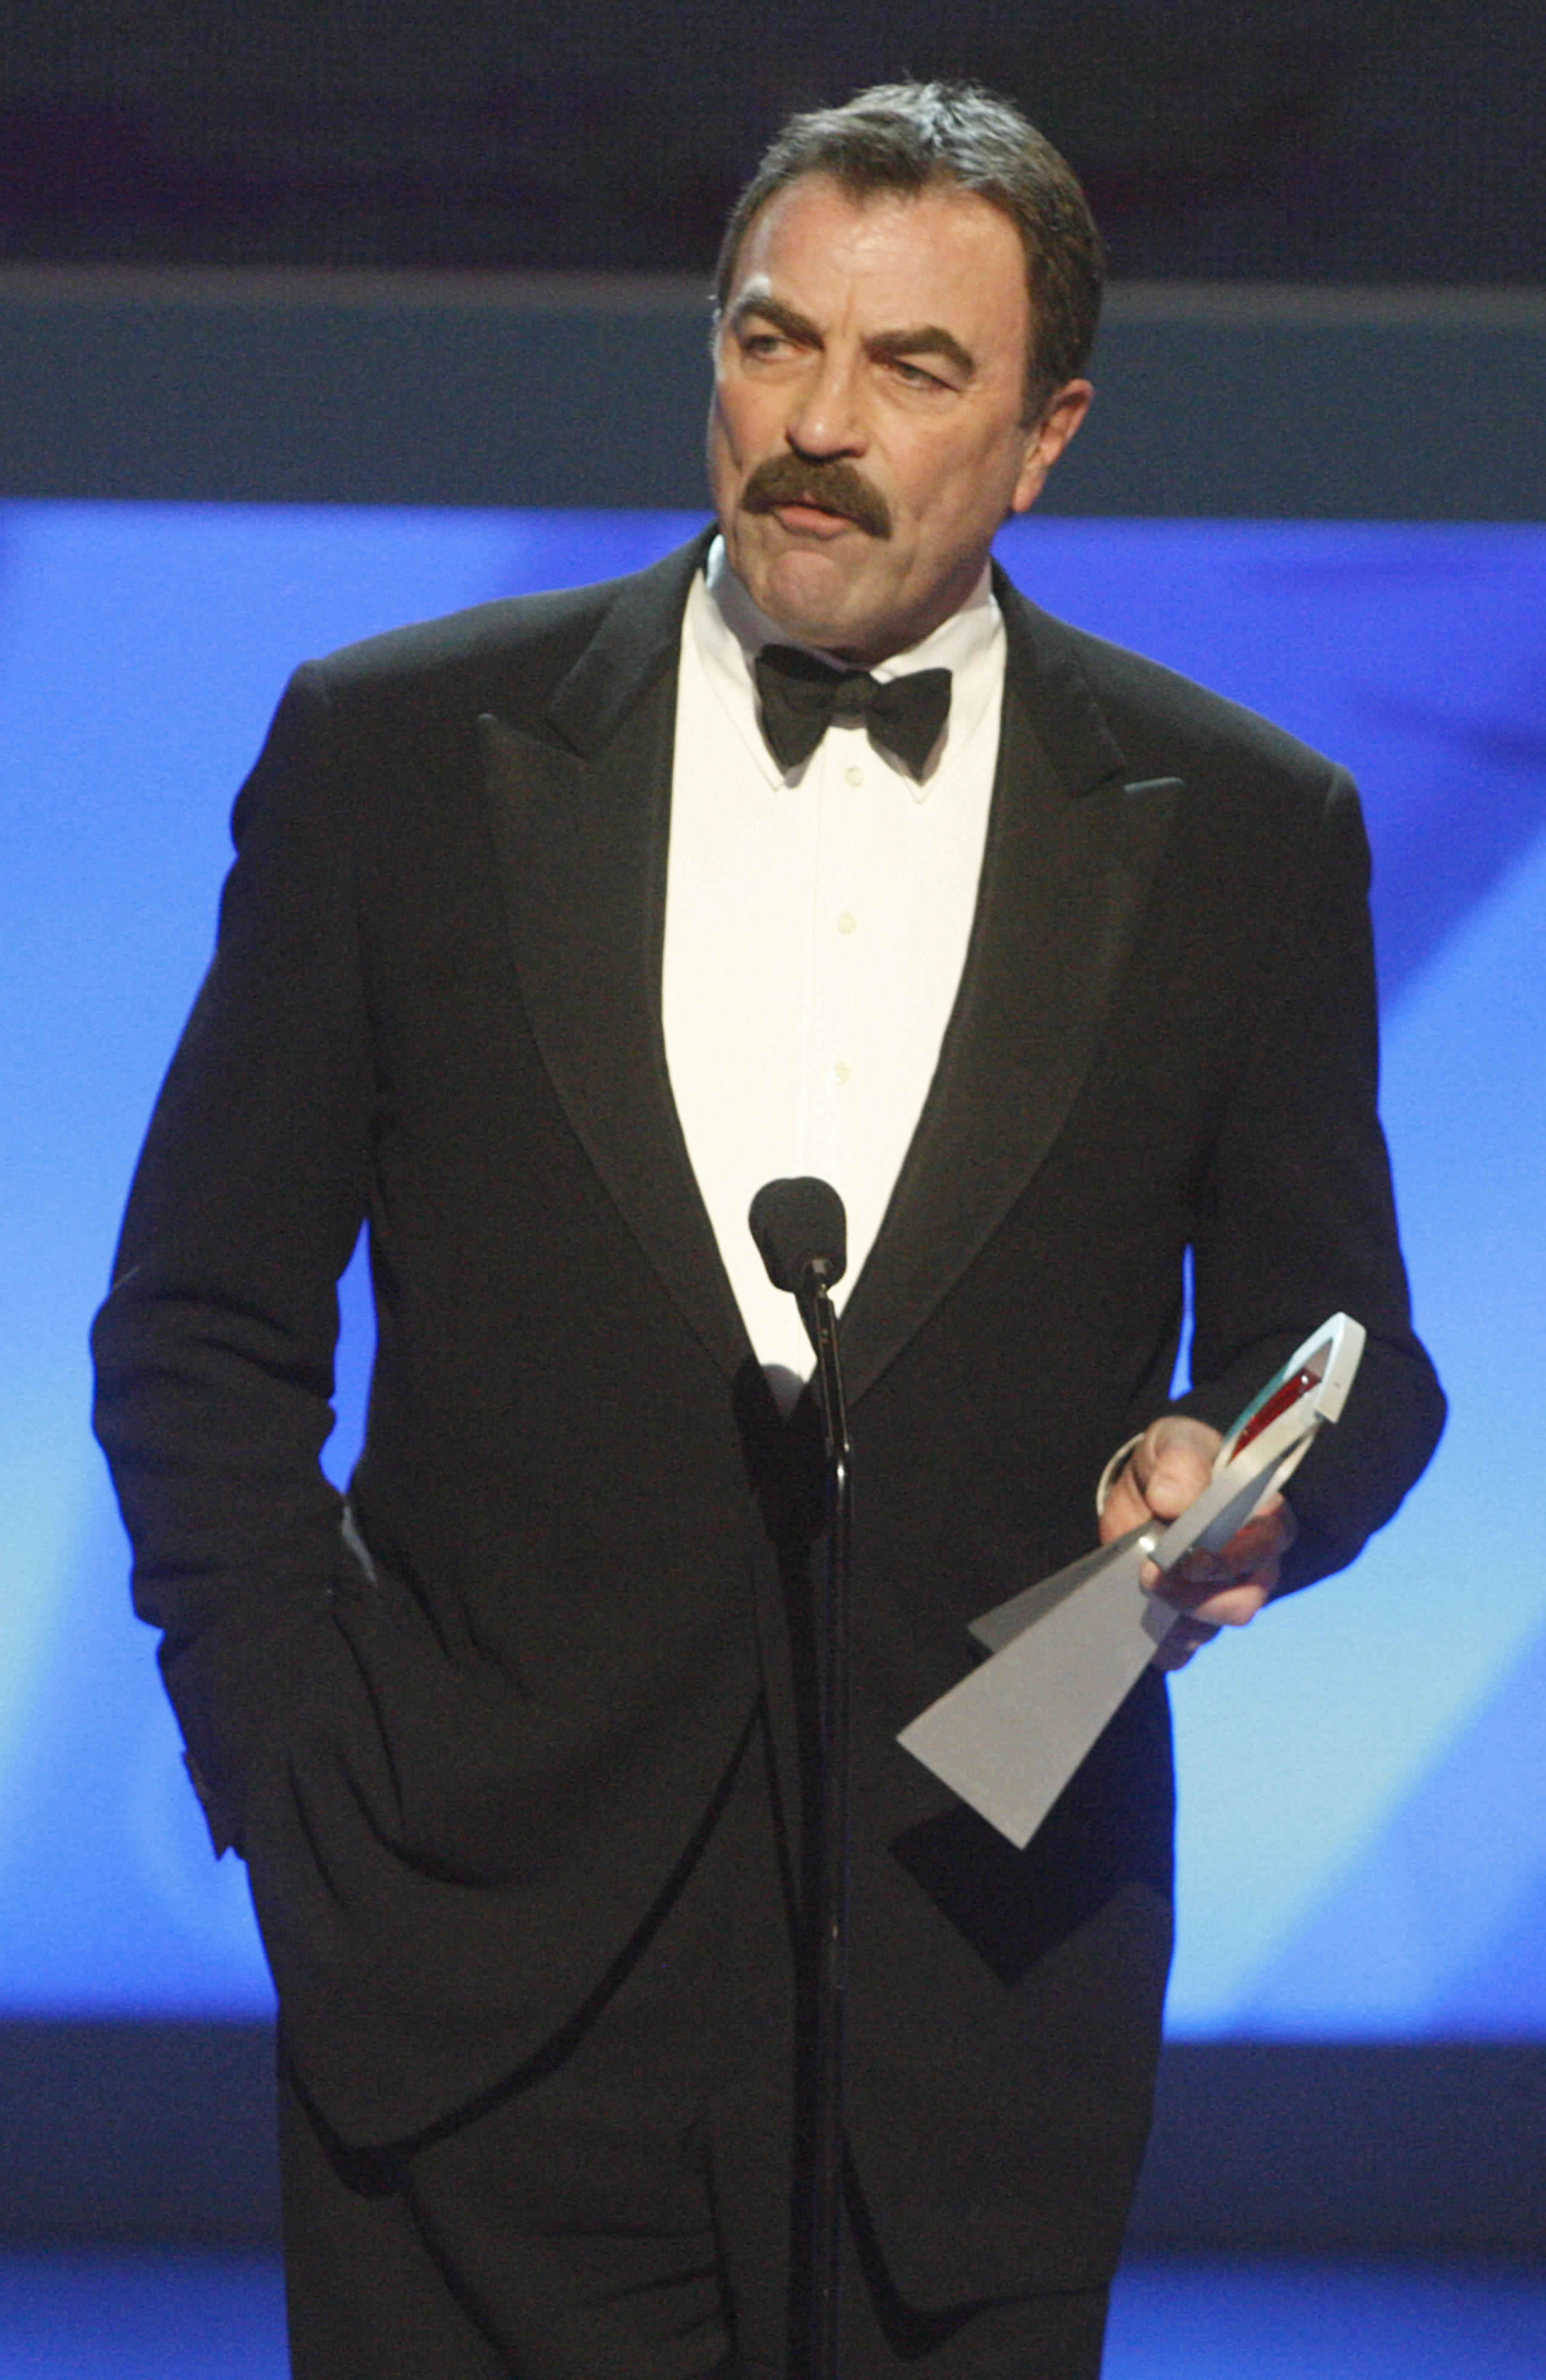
(801, 697)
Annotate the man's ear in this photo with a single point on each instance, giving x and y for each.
(1060, 419)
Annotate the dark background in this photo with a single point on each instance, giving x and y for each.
(1324, 140)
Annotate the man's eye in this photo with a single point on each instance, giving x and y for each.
(914, 375)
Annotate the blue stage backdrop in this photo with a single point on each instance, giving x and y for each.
(1363, 1842)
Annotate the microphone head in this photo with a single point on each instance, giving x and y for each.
(801, 1233)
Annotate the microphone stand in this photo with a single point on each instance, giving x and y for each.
(831, 1842)
(801, 1233)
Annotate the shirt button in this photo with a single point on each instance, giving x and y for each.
(840, 1072)
(846, 923)
(853, 773)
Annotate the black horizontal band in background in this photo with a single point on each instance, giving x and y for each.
(146, 2132)
(1223, 400)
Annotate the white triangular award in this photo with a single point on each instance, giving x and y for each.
(1067, 1651)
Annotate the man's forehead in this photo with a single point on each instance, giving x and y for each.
(814, 232)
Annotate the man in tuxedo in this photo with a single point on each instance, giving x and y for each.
(555, 930)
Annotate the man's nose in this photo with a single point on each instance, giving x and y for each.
(827, 419)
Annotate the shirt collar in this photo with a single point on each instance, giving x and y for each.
(729, 630)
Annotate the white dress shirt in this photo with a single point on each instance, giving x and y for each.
(816, 926)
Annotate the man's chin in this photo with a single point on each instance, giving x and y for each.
(812, 591)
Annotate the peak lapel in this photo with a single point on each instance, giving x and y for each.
(1072, 848)
(581, 845)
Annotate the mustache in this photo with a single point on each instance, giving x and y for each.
(833, 486)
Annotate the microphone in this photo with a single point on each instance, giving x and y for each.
(802, 1236)
(801, 1233)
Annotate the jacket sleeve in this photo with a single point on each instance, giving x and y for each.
(215, 1347)
(1295, 1216)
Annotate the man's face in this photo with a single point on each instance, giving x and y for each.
(865, 439)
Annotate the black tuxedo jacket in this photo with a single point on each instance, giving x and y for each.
(463, 1778)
